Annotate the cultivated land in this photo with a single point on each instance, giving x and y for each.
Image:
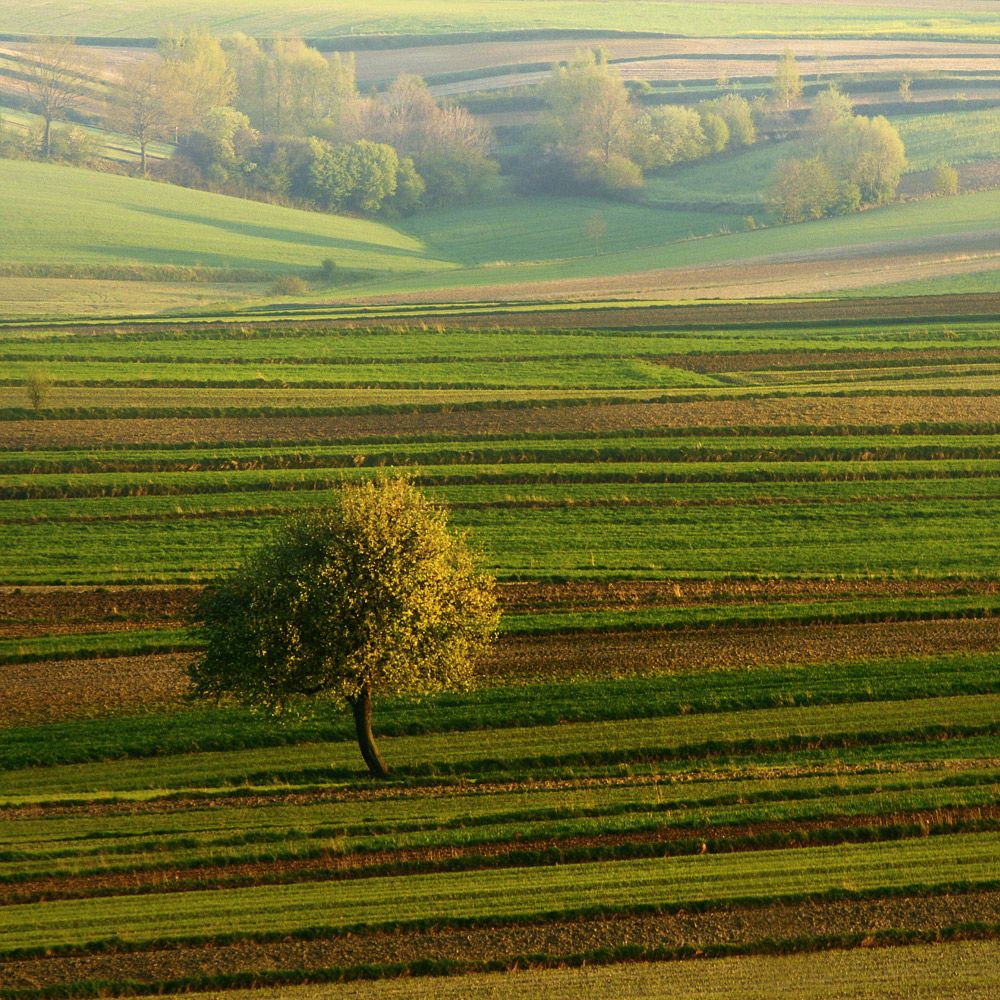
(738, 735)
(744, 704)
(971, 19)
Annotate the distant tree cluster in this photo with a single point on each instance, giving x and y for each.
(845, 161)
(278, 119)
(286, 121)
(594, 135)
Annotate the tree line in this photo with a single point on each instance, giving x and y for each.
(595, 134)
(842, 161)
(278, 119)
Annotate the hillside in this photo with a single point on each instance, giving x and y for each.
(64, 216)
(67, 224)
(964, 18)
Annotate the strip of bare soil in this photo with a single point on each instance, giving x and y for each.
(67, 689)
(814, 411)
(732, 925)
(60, 610)
(607, 655)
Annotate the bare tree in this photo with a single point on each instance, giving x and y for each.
(56, 74)
(139, 107)
(595, 227)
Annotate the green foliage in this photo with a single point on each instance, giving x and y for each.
(370, 592)
(946, 180)
(801, 189)
(37, 386)
(850, 160)
(787, 82)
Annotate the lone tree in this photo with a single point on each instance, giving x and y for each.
(56, 78)
(370, 595)
(595, 227)
(37, 386)
(787, 82)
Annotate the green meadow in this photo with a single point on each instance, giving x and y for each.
(57, 215)
(434, 17)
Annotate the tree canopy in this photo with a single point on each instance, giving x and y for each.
(371, 595)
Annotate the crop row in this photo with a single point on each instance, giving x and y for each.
(649, 447)
(516, 750)
(553, 373)
(85, 644)
(305, 338)
(328, 854)
(494, 707)
(506, 893)
(920, 537)
(609, 474)
(224, 832)
(290, 493)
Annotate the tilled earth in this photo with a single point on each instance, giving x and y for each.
(81, 609)
(63, 689)
(809, 410)
(730, 925)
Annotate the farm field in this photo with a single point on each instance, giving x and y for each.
(742, 713)
(198, 250)
(965, 19)
(737, 481)
(74, 218)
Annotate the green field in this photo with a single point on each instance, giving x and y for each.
(67, 216)
(422, 17)
(956, 137)
(744, 699)
(497, 247)
(945, 971)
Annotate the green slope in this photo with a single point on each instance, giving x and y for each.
(972, 213)
(67, 216)
(317, 18)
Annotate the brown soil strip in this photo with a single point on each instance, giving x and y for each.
(67, 689)
(331, 865)
(814, 411)
(427, 60)
(33, 693)
(622, 654)
(35, 629)
(735, 925)
(113, 606)
(58, 610)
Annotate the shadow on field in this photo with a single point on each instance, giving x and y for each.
(277, 233)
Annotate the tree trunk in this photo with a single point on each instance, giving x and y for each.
(48, 137)
(362, 706)
(142, 157)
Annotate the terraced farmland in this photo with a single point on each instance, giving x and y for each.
(744, 706)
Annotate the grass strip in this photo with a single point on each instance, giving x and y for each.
(498, 708)
(511, 893)
(521, 857)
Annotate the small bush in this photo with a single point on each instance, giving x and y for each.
(288, 284)
(328, 271)
(945, 180)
